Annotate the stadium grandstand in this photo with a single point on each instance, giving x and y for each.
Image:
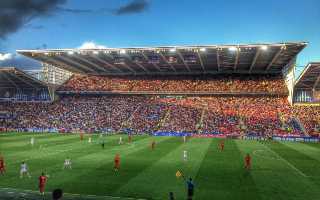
(161, 90)
(247, 92)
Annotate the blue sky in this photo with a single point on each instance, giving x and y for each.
(172, 22)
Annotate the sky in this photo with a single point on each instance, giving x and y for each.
(38, 24)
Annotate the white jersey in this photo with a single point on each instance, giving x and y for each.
(184, 139)
(89, 140)
(67, 162)
(32, 141)
(120, 140)
(24, 167)
(185, 154)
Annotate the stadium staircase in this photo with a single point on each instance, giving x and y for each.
(199, 126)
(301, 126)
(128, 122)
(163, 121)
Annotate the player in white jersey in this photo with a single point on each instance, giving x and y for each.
(184, 139)
(67, 163)
(120, 140)
(24, 170)
(90, 139)
(32, 141)
(185, 155)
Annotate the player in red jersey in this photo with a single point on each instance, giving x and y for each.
(221, 145)
(247, 160)
(2, 166)
(42, 182)
(117, 162)
(153, 145)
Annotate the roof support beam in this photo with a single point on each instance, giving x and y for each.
(130, 68)
(254, 59)
(275, 57)
(165, 60)
(60, 64)
(9, 79)
(316, 83)
(91, 63)
(218, 60)
(237, 59)
(25, 81)
(75, 63)
(184, 62)
(107, 63)
(125, 65)
(155, 65)
(201, 62)
(137, 63)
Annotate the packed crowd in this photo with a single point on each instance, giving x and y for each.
(147, 114)
(310, 117)
(229, 84)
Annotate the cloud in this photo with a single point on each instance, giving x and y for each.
(35, 27)
(135, 6)
(91, 45)
(14, 14)
(5, 56)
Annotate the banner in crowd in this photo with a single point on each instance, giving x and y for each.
(296, 139)
(181, 134)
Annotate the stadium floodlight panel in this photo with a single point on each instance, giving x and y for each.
(264, 47)
(173, 50)
(203, 49)
(95, 52)
(122, 51)
(70, 52)
(233, 48)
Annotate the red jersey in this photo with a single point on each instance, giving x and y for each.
(1, 163)
(248, 159)
(42, 180)
(117, 159)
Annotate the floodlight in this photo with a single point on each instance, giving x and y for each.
(264, 47)
(233, 48)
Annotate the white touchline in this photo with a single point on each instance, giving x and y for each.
(71, 194)
(288, 163)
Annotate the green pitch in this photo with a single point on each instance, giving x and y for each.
(279, 170)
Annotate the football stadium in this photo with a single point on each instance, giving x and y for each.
(178, 122)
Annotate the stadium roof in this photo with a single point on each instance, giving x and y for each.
(11, 77)
(204, 59)
(310, 77)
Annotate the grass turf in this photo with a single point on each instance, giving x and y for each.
(281, 170)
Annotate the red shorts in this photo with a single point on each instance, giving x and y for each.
(41, 188)
(2, 169)
(117, 165)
